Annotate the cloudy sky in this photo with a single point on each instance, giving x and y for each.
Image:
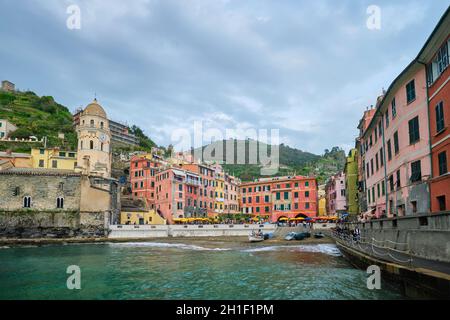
(307, 68)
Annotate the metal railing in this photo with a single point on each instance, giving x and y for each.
(373, 246)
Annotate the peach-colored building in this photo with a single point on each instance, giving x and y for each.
(280, 197)
(396, 158)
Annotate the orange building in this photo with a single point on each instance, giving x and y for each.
(143, 170)
(279, 197)
(436, 56)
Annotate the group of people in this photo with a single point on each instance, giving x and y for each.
(347, 233)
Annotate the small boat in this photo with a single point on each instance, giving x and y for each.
(319, 235)
(256, 237)
(300, 236)
(290, 236)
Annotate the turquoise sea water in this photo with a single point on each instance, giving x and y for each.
(184, 270)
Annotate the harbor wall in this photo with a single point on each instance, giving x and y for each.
(425, 236)
(162, 231)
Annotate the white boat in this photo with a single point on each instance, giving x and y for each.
(253, 237)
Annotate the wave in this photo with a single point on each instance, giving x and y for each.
(329, 249)
(168, 245)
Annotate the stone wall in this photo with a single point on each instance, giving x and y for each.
(426, 236)
(43, 190)
(43, 218)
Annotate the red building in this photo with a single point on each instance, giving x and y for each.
(435, 55)
(143, 169)
(275, 198)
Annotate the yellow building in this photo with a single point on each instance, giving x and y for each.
(322, 206)
(141, 217)
(219, 199)
(53, 158)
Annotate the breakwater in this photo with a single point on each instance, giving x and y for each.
(163, 231)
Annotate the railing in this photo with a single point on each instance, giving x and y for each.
(372, 246)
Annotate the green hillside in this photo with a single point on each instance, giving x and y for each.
(37, 116)
(42, 116)
(292, 162)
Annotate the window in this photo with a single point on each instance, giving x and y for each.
(16, 191)
(27, 202)
(266, 198)
(442, 58)
(396, 144)
(391, 183)
(54, 164)
(92, 123)
(373, 194)
(394, 109)
(381, 157)
(101, 124)
(62, 154)
(368, 196)
(101, 146)
(371, 166)
(377, 164)
(387, 119)
(441, 202)
(41, 163)
(416, 172)
(266, 209)
(442, 157)
(60, 203)
(306, 205)
(398, 179)
(257, 199)
(296, 206)
(91, 145)
(380, 128)
(389, 150)
(440, 117)
(378, 190)
(414, 134)
(306, 194)
(286, 195)
(41, 151)
(71, 155)
(410, 91)
(307, 184)
(383, 188)
(278, 196)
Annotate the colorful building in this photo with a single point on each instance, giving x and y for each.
(280, 197)
(351, 182)
(335, 190)
(362, 189)
(231, 194)
(219, 192)
(206, 195)
(435, 55)
(53, 158)
(143, 168)
(141, 217)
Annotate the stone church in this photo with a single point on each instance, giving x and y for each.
(64, 203)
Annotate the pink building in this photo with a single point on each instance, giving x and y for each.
(177, 194)
(396, 151)
(335, 194)
(143, 170)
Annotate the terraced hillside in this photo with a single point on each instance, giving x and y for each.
(37, 116)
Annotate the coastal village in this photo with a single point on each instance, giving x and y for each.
(395, 178)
